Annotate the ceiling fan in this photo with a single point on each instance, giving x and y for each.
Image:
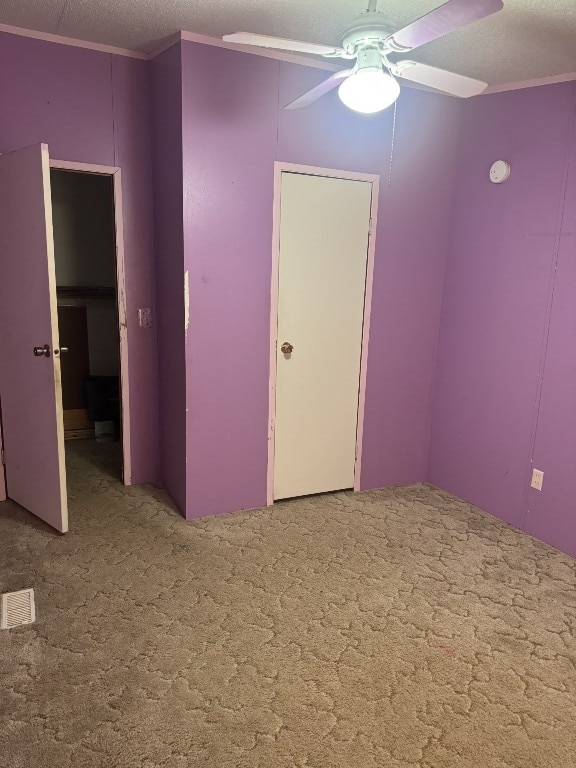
(371, 85)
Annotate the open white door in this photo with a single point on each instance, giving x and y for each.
(30, 386)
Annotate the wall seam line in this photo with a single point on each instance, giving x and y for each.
(278, 110)
(449, 238)
(115, 163)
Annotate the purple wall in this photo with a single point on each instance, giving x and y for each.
(167, 124)
(551, 514)
(506, 374)
(408, 282)
(229, 117)
(234, 128)
(94, 108)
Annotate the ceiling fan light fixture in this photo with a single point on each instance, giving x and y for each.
(369, 90)
(370, 86)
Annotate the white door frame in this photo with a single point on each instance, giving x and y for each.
(310, 170)
(116, 174)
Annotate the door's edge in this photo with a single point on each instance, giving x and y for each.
(51, 266)
(366, 332)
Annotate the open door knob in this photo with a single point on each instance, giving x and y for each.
(287, 348)
(42, 351)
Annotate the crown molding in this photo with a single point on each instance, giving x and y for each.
(60, 39)
(564, 78)
(269, 53)
(168, 43)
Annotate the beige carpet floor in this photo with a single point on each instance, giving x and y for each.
(398, 628)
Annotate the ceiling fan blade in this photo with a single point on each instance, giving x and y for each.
(320, 90)
(264, 41)
(439, 22)
(440, 79)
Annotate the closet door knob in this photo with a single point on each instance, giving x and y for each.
(42, 351)
(287, 348)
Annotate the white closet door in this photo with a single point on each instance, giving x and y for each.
(324, 232)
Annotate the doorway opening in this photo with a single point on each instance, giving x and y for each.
(84, 230)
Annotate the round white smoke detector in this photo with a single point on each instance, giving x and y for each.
(499, 172)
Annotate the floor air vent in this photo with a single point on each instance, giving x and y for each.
(17, 608)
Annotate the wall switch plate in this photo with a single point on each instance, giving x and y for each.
(145, 317)
(537, 479)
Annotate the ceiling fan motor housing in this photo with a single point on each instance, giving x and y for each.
(369, 58)
(369, 30)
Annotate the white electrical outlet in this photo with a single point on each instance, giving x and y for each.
(537, 479)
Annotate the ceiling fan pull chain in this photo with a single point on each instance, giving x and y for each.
(392, 144)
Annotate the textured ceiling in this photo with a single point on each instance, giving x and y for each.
(528, 39)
